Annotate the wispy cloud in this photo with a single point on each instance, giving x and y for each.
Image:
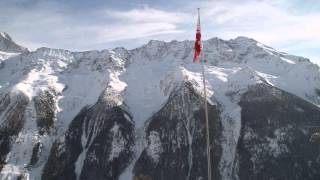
(271, 22)
(142, 22)
(265, 22)
(50, 27)
(287, 25)
(147, 15)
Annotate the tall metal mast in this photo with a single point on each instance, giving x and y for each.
(205, 106)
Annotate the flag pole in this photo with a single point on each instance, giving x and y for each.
(206, 109)
(207, 120)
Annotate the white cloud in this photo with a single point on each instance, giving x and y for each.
(269, 21)
(145, 22)
(264, 20)
(49, 27)
(147, 14)
(132, 31)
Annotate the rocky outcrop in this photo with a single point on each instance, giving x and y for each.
(98, 144)
(12, 108)
(45, 107)
(175, 138)
(275, 136)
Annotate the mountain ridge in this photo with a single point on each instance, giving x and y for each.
(140, 81)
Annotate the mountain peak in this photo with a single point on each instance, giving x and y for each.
(5, 36)
(8, 45)
(244, 38)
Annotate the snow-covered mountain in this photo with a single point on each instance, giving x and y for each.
(123, 114)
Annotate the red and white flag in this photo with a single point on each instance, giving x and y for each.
(197, 44)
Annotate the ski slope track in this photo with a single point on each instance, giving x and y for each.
(48, 96)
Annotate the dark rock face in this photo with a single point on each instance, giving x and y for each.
(176, 143)
(35, 155)
(45, 109)
(275, 136)
(12, 109)
(98, 145)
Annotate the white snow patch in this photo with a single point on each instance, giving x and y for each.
(115, 83)
(118, 142)
(39, 81)
(288, 60)
(143, 93)
(267, 77)
(154, 148)
(6, 55)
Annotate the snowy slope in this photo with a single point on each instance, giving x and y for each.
(144, 77)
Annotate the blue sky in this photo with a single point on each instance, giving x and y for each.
(291, 26)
